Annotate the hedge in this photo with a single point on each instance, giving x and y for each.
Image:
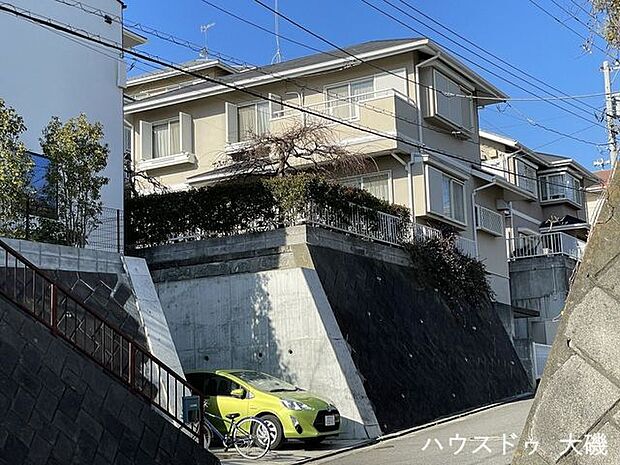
(241, 206)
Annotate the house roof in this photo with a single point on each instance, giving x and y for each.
(557, 161)
(319, 62)
(544, 159)
(192, 65)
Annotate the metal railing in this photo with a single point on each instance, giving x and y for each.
(557, 243)
(489, 221)
(361, 221)
(52, 304)
(345, 108)
(466, 246)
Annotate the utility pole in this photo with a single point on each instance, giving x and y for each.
(610, 113)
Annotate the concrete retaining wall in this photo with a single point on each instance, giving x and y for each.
(269, 302)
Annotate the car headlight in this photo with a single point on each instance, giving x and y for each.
(295, 405)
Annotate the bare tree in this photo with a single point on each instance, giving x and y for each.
(302, 146)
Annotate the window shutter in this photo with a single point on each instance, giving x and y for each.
(146, 140)
(434, 191)
(396, 80)
(232, 127)
(185, 121)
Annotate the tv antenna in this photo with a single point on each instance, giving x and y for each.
(204, 52)
(277, 58)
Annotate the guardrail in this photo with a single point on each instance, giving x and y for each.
(52, 304)
(557, 243)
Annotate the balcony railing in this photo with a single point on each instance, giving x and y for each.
(345, 108)
(489, 221)
(557, 243)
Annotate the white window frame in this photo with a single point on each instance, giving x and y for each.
(452, 180)
(373, 174)
(522, 182)
(466, 126)
(161, 123)
(255, 104)
(354, 110)
(565, 197)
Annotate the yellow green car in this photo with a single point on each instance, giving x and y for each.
(288, 411)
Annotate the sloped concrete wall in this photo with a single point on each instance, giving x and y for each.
(579, 395)
(58, 407)
(276, 321)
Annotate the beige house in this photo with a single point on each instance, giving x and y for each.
(406, 103)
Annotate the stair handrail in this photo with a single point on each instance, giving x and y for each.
(133, 344)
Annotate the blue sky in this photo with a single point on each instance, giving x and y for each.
(514, 30)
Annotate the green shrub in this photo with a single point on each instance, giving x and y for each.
(457, 277)
(242, 206)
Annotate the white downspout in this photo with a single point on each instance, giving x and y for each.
(418, 96)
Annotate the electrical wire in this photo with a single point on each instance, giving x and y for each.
(577, 33)
(402, 23)
(494, 56)
(197, 48)
(72, 30)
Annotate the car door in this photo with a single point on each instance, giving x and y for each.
(222, 403)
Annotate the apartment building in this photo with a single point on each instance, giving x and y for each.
(406, 103)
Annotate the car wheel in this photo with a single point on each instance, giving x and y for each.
(275, 430)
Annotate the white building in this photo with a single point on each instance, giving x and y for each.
(47, 73)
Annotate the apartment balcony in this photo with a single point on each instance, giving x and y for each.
(557, 243)
(385, 112)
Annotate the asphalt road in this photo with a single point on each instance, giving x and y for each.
(468, 433)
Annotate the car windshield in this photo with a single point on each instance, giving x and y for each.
(264, 382)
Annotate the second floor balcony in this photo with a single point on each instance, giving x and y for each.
(387, 112)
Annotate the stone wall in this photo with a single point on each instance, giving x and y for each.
(58, 407)
(579, 395)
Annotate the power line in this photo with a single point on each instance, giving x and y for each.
(577, 33)
(491, 54)
(399, 21)
(41, 21)
(366, 104)
(576, 18)
(197, 48)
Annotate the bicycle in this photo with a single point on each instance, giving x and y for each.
(249, 436)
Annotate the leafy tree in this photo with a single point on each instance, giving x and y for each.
(308, 145)
(77, 156)
(606, 18)
(15, 173)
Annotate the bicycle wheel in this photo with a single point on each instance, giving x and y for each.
(208, 436)
(251, 438)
